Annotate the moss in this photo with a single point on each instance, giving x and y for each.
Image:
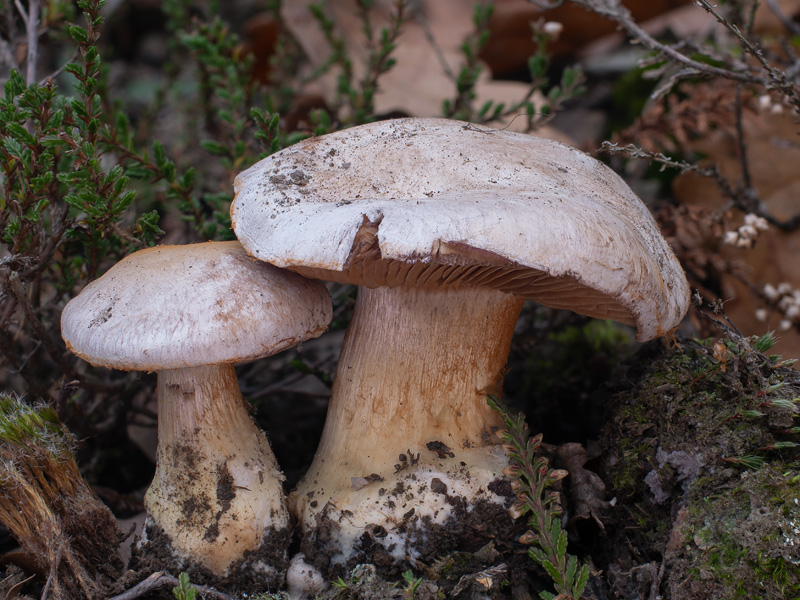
(745, 539)
(677, 441)
(48, 506)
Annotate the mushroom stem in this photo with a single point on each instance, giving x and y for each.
(217, 491)
(410, 395)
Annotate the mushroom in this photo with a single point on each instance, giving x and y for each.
(189, 312)
(446, 228)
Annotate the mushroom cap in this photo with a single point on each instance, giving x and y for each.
(170, 307)
(440, 202)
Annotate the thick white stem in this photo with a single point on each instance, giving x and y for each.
(217, 491)
(409, 398)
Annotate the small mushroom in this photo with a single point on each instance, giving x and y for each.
(190, 312)
(447, 229)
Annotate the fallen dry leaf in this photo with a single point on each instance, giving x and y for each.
(586, 490)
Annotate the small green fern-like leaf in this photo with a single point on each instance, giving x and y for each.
(184, 590)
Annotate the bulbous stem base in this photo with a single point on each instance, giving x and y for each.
(217, 492)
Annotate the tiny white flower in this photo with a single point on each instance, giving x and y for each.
(761, 314)
(785, 325)
(748, 231)
(754, 220)
(770, 291)
(731, 237)
(553, 29)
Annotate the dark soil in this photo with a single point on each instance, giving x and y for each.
(248, 575)
(468, 530)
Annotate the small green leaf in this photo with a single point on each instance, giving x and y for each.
(186, 181)
(184, 590)
(79, 34)
(15, 149)
(537, 554)
(91, 54)
(581, 581)
(765, 342)
(169, 172)
(784, 403)
(123, 202)
(21, 133)
(572, 568)
(215, 148)
(487, 106)
(15, 84)
(537, 65)
(159, 154)
(781, 445)
(570, 77)
(752, 414)
(147, 228)
(560, 536)
(554, 573)
(55, 120)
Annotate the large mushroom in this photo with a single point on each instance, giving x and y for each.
(216, 503)
(446, 228)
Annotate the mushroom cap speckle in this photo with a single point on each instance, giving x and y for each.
(438, 202)
(170, 307)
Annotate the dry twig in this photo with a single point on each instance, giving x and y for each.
(161, 579)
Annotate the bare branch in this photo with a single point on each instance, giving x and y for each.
(31, 20)
(742, 198)
(161, 579)
(777, 78)
(22, 12)
(547, 4)
(613, 10)
(32, 27)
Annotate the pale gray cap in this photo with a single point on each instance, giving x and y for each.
(170, 307)
(412, 202)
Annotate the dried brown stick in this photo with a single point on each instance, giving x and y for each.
(160, 579)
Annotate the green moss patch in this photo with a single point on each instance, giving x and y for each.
(702, 452)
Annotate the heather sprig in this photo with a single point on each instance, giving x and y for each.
(66, 207)
(460, 107)
(532, 480)
(356, 99)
